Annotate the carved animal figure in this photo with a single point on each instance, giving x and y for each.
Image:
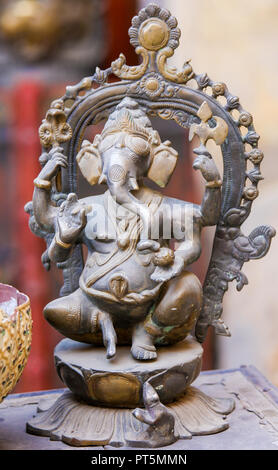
(161, 429)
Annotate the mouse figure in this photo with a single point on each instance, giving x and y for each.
(160, 420)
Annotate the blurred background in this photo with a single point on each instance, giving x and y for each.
(46, 45)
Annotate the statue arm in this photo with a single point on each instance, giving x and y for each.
(44, 210)
(66, 221)
(189, 250)
(187, 233)
(69, 224)
(210, 206)
(59, 251)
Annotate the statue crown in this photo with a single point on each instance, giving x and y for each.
(129, 118)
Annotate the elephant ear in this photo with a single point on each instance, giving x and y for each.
(89, 160)
(163, 163)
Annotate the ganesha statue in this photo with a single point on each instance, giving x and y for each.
(134, 289)
(131, 309)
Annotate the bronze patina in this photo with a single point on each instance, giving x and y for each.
(134, 290)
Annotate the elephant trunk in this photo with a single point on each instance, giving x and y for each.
(120, 186)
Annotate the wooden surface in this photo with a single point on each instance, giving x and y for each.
(253, 424)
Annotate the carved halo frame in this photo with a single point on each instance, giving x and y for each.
(166, 92)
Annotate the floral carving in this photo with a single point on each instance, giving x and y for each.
(202, 80)
(251, 138)
(153, 28)
(245, 119)
(250, 193)
(155, 36)
(152, 85)
(218, 89)
(255, 156)
(232, 102)
(54, 129)
(254, 175)
(180, 117)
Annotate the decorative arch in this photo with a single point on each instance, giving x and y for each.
(166, 92)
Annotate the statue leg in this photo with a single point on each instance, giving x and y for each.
(142, 348)
(176, 310)
(77, 317)
(172, 318)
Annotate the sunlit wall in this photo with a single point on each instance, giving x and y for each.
(236, 42)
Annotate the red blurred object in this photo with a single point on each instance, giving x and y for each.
(31, 277)
(118, 21)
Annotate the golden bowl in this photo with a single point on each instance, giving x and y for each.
(15, 336)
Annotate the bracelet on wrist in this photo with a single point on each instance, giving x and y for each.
(214, 184)
(59, 242)
(42, 184)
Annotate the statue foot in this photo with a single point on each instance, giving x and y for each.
(108, 333)
(110, 350)
(143, 352)
(142, 345)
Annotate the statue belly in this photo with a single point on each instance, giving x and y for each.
(130, 276)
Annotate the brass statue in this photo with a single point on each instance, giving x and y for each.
(134, 289)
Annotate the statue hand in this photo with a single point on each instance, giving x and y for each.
(206, 165)
(165, 273)
(71, 218)
(56, 161)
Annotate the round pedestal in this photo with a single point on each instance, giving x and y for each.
(118, 382)
(121, 384)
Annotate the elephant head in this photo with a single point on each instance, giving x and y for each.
(127, 150)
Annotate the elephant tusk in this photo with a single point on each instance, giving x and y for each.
(102, 179)
(133, 185)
